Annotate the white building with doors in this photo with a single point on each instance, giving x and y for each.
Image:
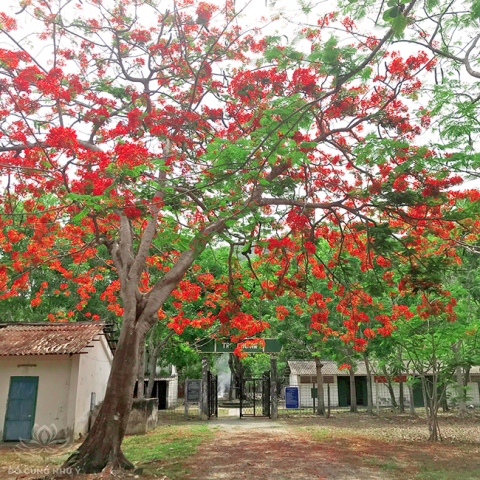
(337, 385)
(51, 377)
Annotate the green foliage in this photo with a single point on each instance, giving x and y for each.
(475, 9)
(160, 450)
(257, 364)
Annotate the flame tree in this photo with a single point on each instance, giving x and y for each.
(136, 134)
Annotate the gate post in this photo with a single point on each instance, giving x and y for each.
(242, 393)
(273, 387)
(203, 414)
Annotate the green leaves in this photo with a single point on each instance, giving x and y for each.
(335, 60)
(395, 17)
(475, 9)
(391, 13)
(399, 24)
(331, 52)
(366, 73)
(107, 85)
(283, 55)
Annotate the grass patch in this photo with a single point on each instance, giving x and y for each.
(437, 473)
(386, 465)
(160, 451)
(320, 433)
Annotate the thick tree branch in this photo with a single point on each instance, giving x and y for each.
(164, 287)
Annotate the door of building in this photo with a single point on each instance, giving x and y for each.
(21, 406)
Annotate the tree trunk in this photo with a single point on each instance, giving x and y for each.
(233, 379)
(204, 396)
(426, 399)
(273, 388)
(320, 394)
(141, 371)
(102, 447)
(369, 386)
(434, 427)
(237, 370)
(461, 390)
(388, 377)
(353, 392)
(412, 399)
(432, 409)
(152, 368)
(466, 378)
(401, 400)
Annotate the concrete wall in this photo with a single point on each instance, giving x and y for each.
(172, 392)
(93, 372)
(54, 372)
(143, 417)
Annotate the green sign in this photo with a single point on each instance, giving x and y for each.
(272, 345)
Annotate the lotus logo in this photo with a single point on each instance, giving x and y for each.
(44, 435)
(43, 444)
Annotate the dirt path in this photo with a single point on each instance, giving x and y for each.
(342, 447)
(263, 449)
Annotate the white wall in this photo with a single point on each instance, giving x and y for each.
(305, 392)
(172, 392)
(306, 399)
(474, 393)
(54, 372)
(379, 389)
(93, 372)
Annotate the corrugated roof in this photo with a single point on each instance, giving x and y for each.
(307, 367)
(48, 338)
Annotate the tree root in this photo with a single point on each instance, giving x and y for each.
(87, 463)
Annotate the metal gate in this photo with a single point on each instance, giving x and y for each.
(212, 395)
(255, 396)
